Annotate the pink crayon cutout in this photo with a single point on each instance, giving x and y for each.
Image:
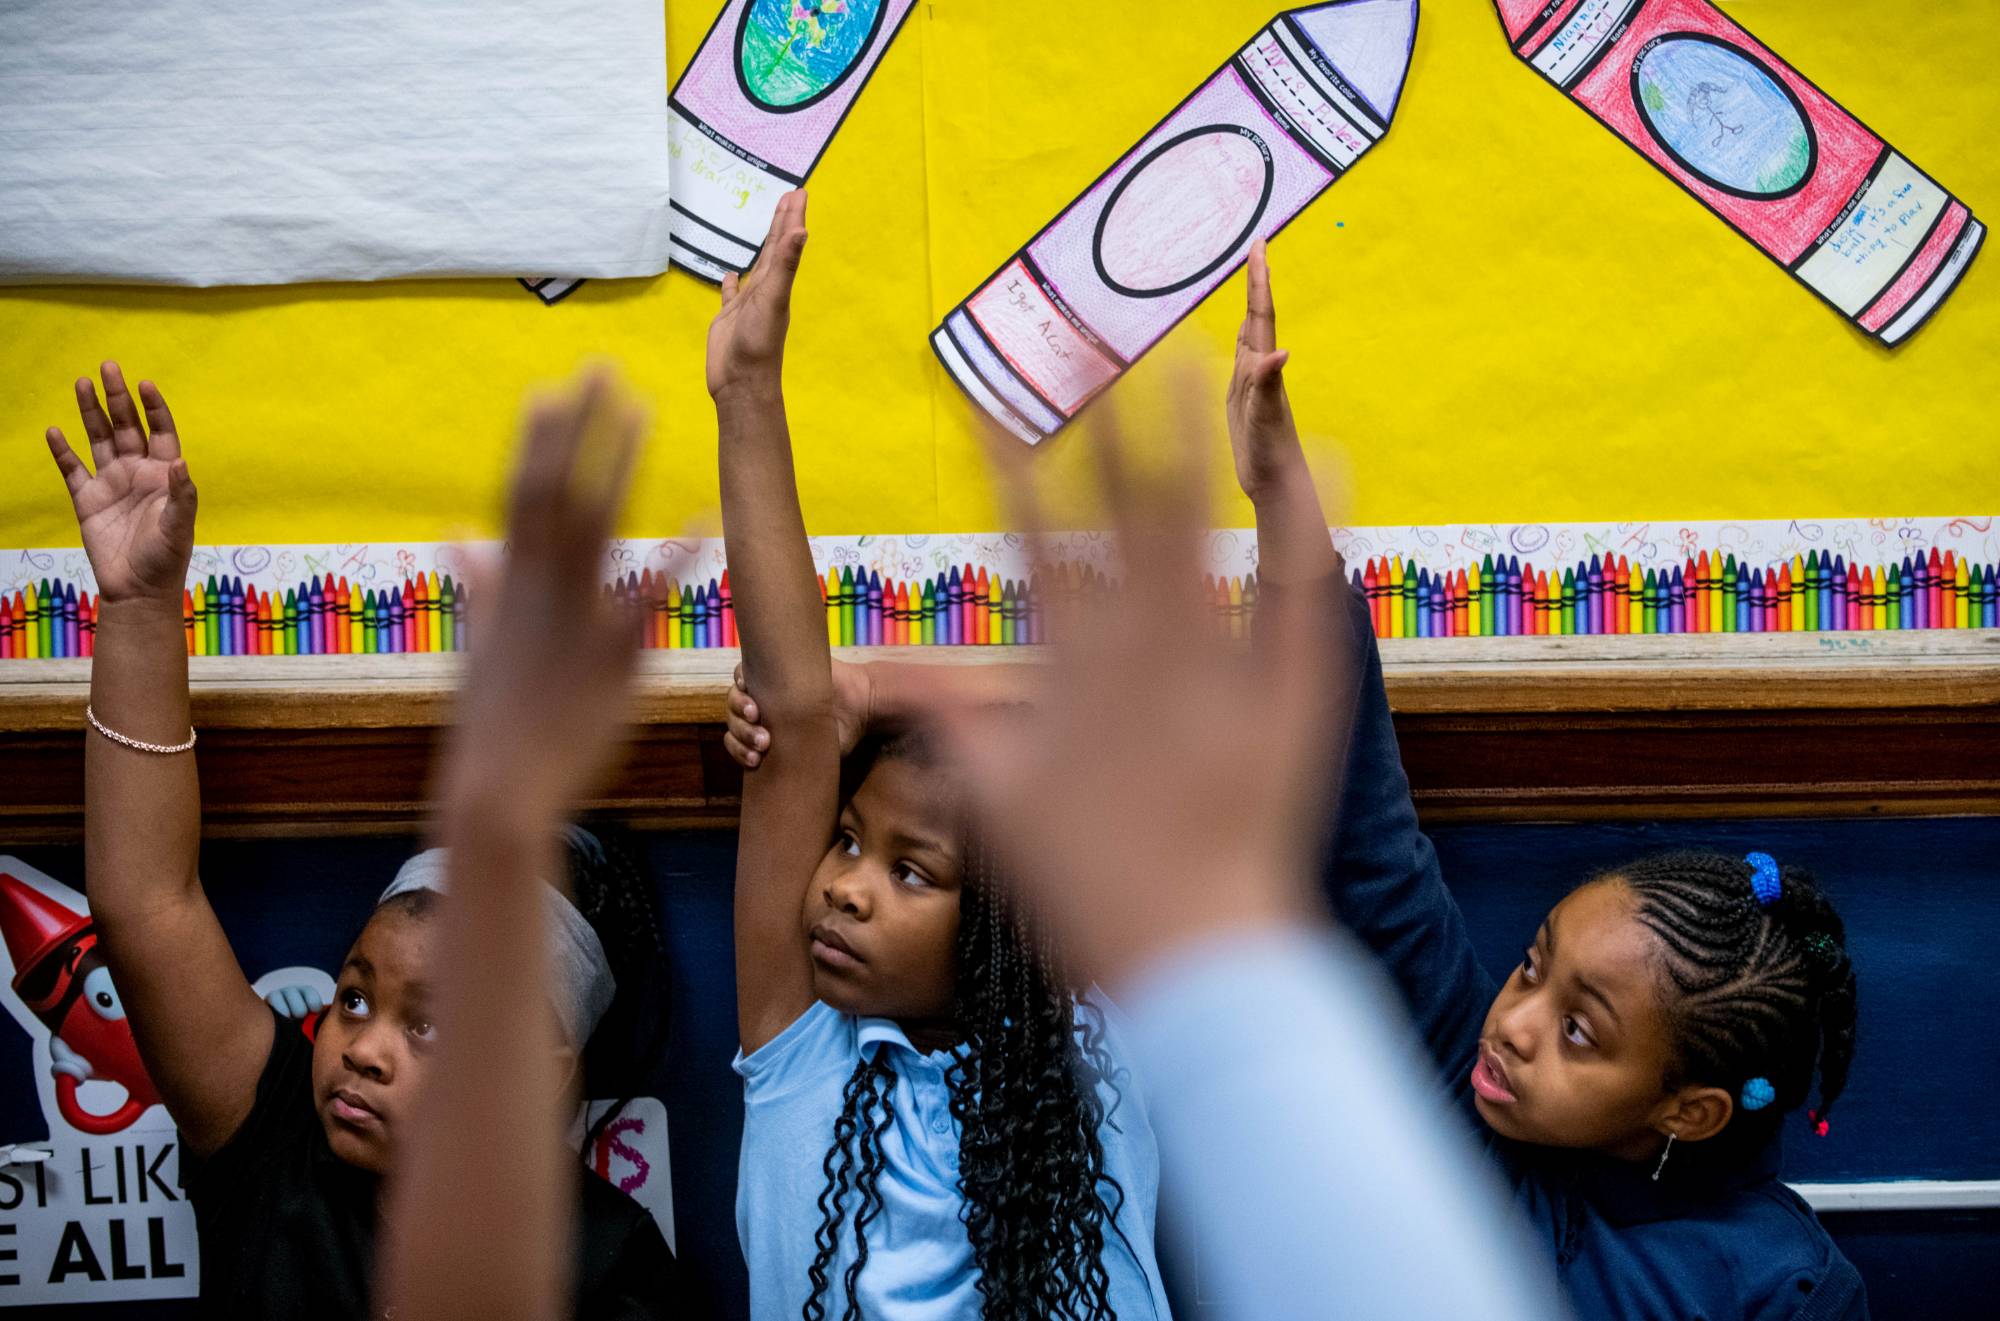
(1762, 147)
(1236, 161)
(751, 117)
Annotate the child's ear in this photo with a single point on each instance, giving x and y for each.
(1694, 1114)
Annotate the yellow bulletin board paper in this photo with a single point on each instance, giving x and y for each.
(1504, 315)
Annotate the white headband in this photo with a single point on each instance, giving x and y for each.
(582, 986)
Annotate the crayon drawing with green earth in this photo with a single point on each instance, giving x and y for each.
(793, 52)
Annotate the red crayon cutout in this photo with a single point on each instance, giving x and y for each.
(1371, 589)
(1758, 144)
(6, 628)
(1936, 590)
(728, 612)
(61, 978)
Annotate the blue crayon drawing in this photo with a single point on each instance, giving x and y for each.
(1724, 116)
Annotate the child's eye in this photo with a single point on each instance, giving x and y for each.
(353, 1003)
(904, 874)
(1575, 1032)
(849, 844)
(423, 1030)
(1529, 972)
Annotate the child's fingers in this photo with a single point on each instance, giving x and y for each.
(548, 443)
(1012, 465)
(742, 706)
(731, 283)
(75, 476)
(1268, 369)
(747, 758)
(741, 686)
(1260, 321)
(747, 731)
(165, 442)
(128, 433)
(177, 518)
(95, 424)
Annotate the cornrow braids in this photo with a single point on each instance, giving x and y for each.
(1754, 991)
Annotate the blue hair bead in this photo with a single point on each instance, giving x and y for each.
(1758, 1093)
(1764, 882)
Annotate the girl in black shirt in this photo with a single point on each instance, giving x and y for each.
(285, 1140)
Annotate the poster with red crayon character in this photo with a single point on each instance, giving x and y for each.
(91, 1209)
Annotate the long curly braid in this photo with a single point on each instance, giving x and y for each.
(854, 1159)
(1024, 1092)
(1023, 1086)
(1754, 991)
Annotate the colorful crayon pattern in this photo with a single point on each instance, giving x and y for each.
(1461, 580)
(323, 616)
(1708, 593)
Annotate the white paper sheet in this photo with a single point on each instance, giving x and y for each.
(216, 142)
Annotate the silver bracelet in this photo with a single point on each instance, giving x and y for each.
(116, 737)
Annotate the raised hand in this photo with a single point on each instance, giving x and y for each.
(1162, 785)
(746, 341)
(1262, 434)
(136, 512)
(546, 690)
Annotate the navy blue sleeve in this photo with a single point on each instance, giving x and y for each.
(1381, 874)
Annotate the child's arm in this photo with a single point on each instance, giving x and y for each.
(790, 807)
(1380, 874)
(203, 1033)
(539, 716)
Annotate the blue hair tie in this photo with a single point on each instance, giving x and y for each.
(1757, 1093)
(1764, 882)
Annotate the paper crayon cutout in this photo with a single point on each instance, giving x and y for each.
(1236, 161)
(758, 105)
(1758, 144)
(550, 289)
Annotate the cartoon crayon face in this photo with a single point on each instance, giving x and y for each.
(61, 977)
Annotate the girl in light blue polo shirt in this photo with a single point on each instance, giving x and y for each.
(936, 1121)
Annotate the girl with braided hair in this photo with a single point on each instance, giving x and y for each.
(935, 1122)
(1631, 1075)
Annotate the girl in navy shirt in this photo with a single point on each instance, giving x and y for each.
(1630, 1075)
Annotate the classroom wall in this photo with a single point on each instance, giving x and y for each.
(1504, 314)
(1921, 912)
